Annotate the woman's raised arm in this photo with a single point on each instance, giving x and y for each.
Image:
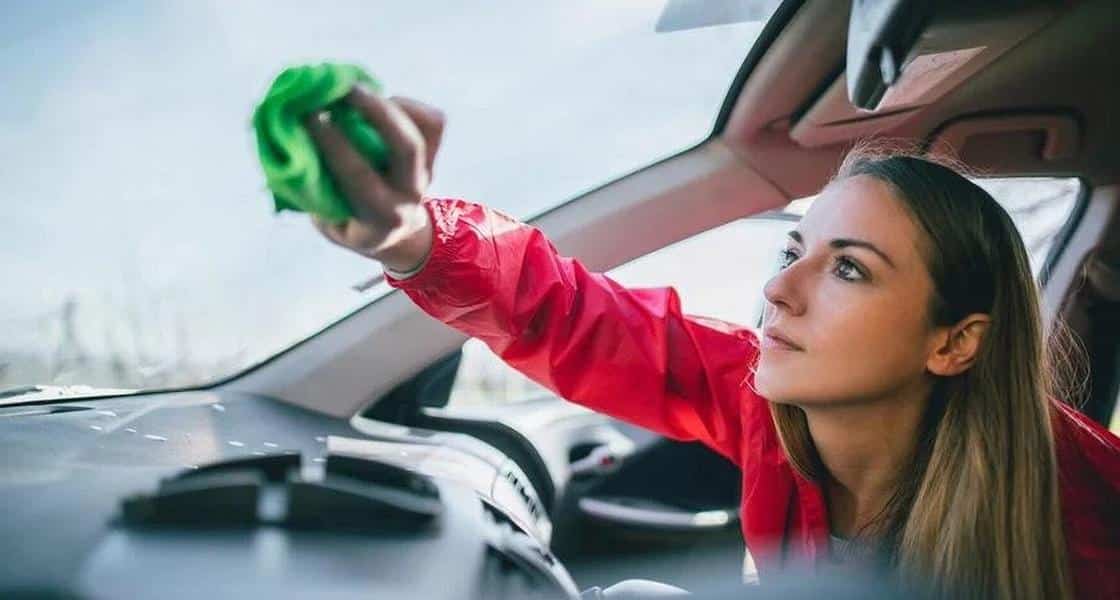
(629, 353)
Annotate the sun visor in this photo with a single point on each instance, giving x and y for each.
(903, 56)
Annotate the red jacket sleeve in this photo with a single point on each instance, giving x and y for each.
(629, 353)
(1089, 483)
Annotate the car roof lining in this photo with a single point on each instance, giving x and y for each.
(1074, 54)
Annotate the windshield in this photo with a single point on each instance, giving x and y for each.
(138, 246)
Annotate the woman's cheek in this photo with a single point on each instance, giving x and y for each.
(842, 360)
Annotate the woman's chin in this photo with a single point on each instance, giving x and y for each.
(781, 380)
(771, 383)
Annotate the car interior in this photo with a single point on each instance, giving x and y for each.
(342, 466)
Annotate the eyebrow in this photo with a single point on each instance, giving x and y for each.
(840, 243)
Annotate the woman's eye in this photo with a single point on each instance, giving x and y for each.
(847, 270)
(786, 258)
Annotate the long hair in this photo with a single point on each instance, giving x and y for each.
(977, 512)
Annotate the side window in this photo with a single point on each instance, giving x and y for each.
(484, 380)
(720, 273)
(1039, 206)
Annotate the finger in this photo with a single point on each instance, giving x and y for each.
(407, 150)
(357, 180)
(429, 119)
(351, 234)
(332, 231)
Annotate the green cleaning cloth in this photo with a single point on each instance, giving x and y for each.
(295, 173)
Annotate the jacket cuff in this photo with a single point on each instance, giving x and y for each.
(444, 216)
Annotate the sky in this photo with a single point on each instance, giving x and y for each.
(133, 193)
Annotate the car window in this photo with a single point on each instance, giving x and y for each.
(720, 273)
(138, 245)
(1040, 207)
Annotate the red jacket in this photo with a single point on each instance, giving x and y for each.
(632, 354)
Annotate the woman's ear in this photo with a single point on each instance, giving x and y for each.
(956, 347)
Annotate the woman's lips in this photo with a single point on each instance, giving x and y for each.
(774, 340)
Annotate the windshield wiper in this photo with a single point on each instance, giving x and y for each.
(40, 392)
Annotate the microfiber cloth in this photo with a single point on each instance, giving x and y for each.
(295, 173)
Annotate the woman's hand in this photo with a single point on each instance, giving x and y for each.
(389, 225)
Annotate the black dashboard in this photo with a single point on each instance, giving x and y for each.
(219, 494)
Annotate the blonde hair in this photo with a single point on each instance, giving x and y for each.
(977, 513)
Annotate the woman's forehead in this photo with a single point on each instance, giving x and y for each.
(864, 208)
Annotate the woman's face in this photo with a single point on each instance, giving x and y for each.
(847, 315)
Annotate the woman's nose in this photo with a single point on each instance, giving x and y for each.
(784, 290)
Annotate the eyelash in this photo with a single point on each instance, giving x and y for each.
(787, 256)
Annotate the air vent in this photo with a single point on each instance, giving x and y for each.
(524, 491)
(499, 516)
(351, 494)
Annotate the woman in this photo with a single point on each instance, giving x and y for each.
(896, 408)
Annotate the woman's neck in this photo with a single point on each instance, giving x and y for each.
(865, 448)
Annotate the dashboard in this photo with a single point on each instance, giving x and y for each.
(221, 494)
